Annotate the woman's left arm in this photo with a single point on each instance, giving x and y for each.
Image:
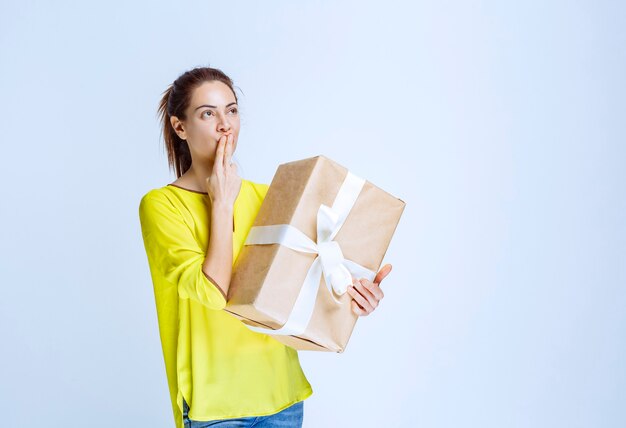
(367, 294)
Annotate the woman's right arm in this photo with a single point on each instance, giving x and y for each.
(174, 253)
(223, 186)
(218, 263)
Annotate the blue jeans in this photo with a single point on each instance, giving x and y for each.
(291, 417)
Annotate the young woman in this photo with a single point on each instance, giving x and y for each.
(219, 372)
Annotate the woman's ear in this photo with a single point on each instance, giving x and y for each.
(178, 127)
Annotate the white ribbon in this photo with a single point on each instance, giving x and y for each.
(330, 262)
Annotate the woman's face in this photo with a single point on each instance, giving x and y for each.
(213, 112)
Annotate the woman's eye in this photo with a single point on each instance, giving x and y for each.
(234, 111)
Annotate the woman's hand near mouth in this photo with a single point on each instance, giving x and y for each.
(223, 184)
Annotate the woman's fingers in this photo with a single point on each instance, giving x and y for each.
(369, 296)
(219, 154)
(362, 301)
(228, 151)
(358, 310)
(382, 273)
(373, 288)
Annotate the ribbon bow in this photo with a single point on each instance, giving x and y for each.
(330, 263)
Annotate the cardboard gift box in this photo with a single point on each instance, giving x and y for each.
(318, 226)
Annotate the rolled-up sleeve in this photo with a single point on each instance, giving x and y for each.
(174, 254)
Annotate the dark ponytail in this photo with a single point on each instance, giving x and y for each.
(174, 102)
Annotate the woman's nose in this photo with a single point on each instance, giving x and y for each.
(224, 125)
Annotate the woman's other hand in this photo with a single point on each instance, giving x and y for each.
(223, 184)
(366, 295)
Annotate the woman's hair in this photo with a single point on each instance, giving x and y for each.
(175, 100)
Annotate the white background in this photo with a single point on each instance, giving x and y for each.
(500, 124)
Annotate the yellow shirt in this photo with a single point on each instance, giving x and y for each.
(221, 368)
